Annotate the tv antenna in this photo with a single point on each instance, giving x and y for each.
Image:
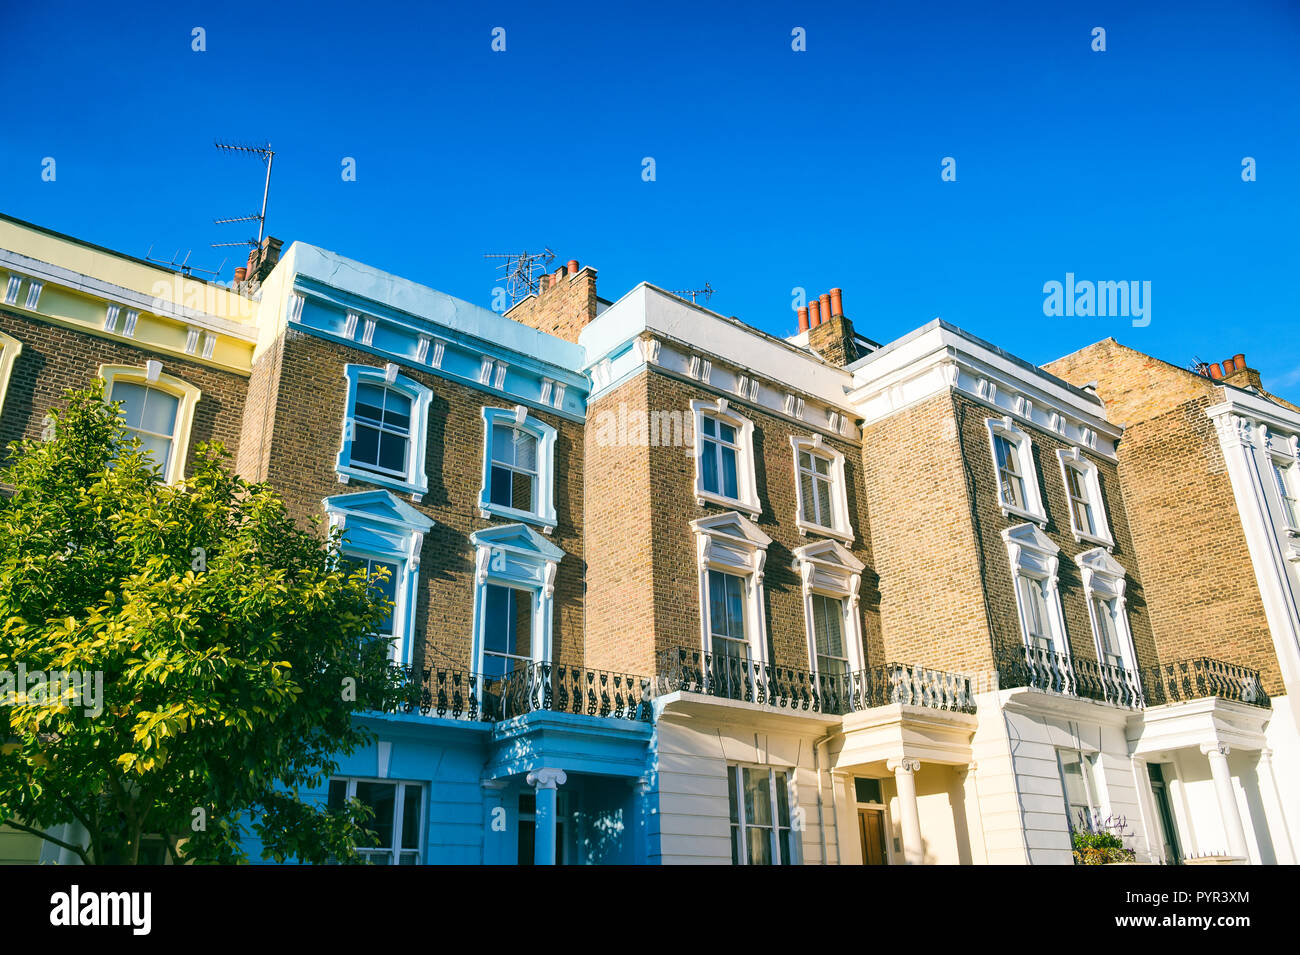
(267, 155)
(183, 265)
(707, 292)
(522, 269)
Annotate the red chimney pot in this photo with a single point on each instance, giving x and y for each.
(837, 301)
(825, 299)
(1215, 371)
(573, 266)
(241, 273)
(814, 314)
(1240, 361)
(803, 318)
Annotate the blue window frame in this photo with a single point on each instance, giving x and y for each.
(385, 425)
(518, 467)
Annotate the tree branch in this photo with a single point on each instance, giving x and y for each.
(48, 838)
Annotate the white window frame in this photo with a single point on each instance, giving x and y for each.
(736, 772)
(827, 568)
(1088, 769)
(746, 479)
(399, 813)
(733, 544)
(150, 375)
(543, 513)
(1035, 557)
(415, 481)
(10, 349)
(841, 526)
(1022, 444)
(377, 525)
(1074, 459)
(517, 557)
(1105, 580)
(1284, 468)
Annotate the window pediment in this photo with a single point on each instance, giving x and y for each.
(731, 541)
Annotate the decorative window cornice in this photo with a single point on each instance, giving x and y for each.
(379, 526)
(732, 544)
(828, 568)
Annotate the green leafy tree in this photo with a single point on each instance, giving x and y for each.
(232, 646)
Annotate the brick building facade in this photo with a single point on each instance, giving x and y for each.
(645, 557)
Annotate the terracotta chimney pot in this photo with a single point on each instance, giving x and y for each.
(1215, 371)
(837, 302)
(803, 318)
(814, 314)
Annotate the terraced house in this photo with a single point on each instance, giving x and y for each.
(670, 589)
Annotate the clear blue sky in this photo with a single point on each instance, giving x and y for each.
(775, 169)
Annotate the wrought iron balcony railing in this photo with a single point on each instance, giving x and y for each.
(561, 689)
(734, 678)
(461, 695)
(1200, 678)
(1069, 676)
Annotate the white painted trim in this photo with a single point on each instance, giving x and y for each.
(150, 374)
(746, 479)
(734, 545)
(842, 525)
(1021, 442)
(10, 349)
(1074, 458)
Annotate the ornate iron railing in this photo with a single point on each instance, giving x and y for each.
(734, 678)
(564, 689)
(1069, 676)
(460, 695)
(1200, 678)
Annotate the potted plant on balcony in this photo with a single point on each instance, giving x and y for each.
(1101, 842)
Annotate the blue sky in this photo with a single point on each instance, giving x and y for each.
(774, 168)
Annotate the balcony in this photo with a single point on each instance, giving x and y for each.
(1069, 676)
(460, 695)
(733, 678)
(1201, 678)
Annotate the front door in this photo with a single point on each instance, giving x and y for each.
(1168, 830)
(871, 825)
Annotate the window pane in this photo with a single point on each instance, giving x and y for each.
(382, 798)
(525, 451)
(727, 433)
(370, 403)
(501, 488)
(365, 444)
(758, 798)
(503, 445)
(735, 606)
(709, 466)
(760, 846)
(782, 801)
(729, 472)
(160, 449)
(338, 793)
(392, 452)
(411, 812)
(823, 502)
(159, 414)
(521, 489)
(709, 426)
(131, 397)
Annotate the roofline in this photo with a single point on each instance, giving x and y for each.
(114, 252)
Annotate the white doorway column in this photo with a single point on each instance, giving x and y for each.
(1217, 753)
(904, 771)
